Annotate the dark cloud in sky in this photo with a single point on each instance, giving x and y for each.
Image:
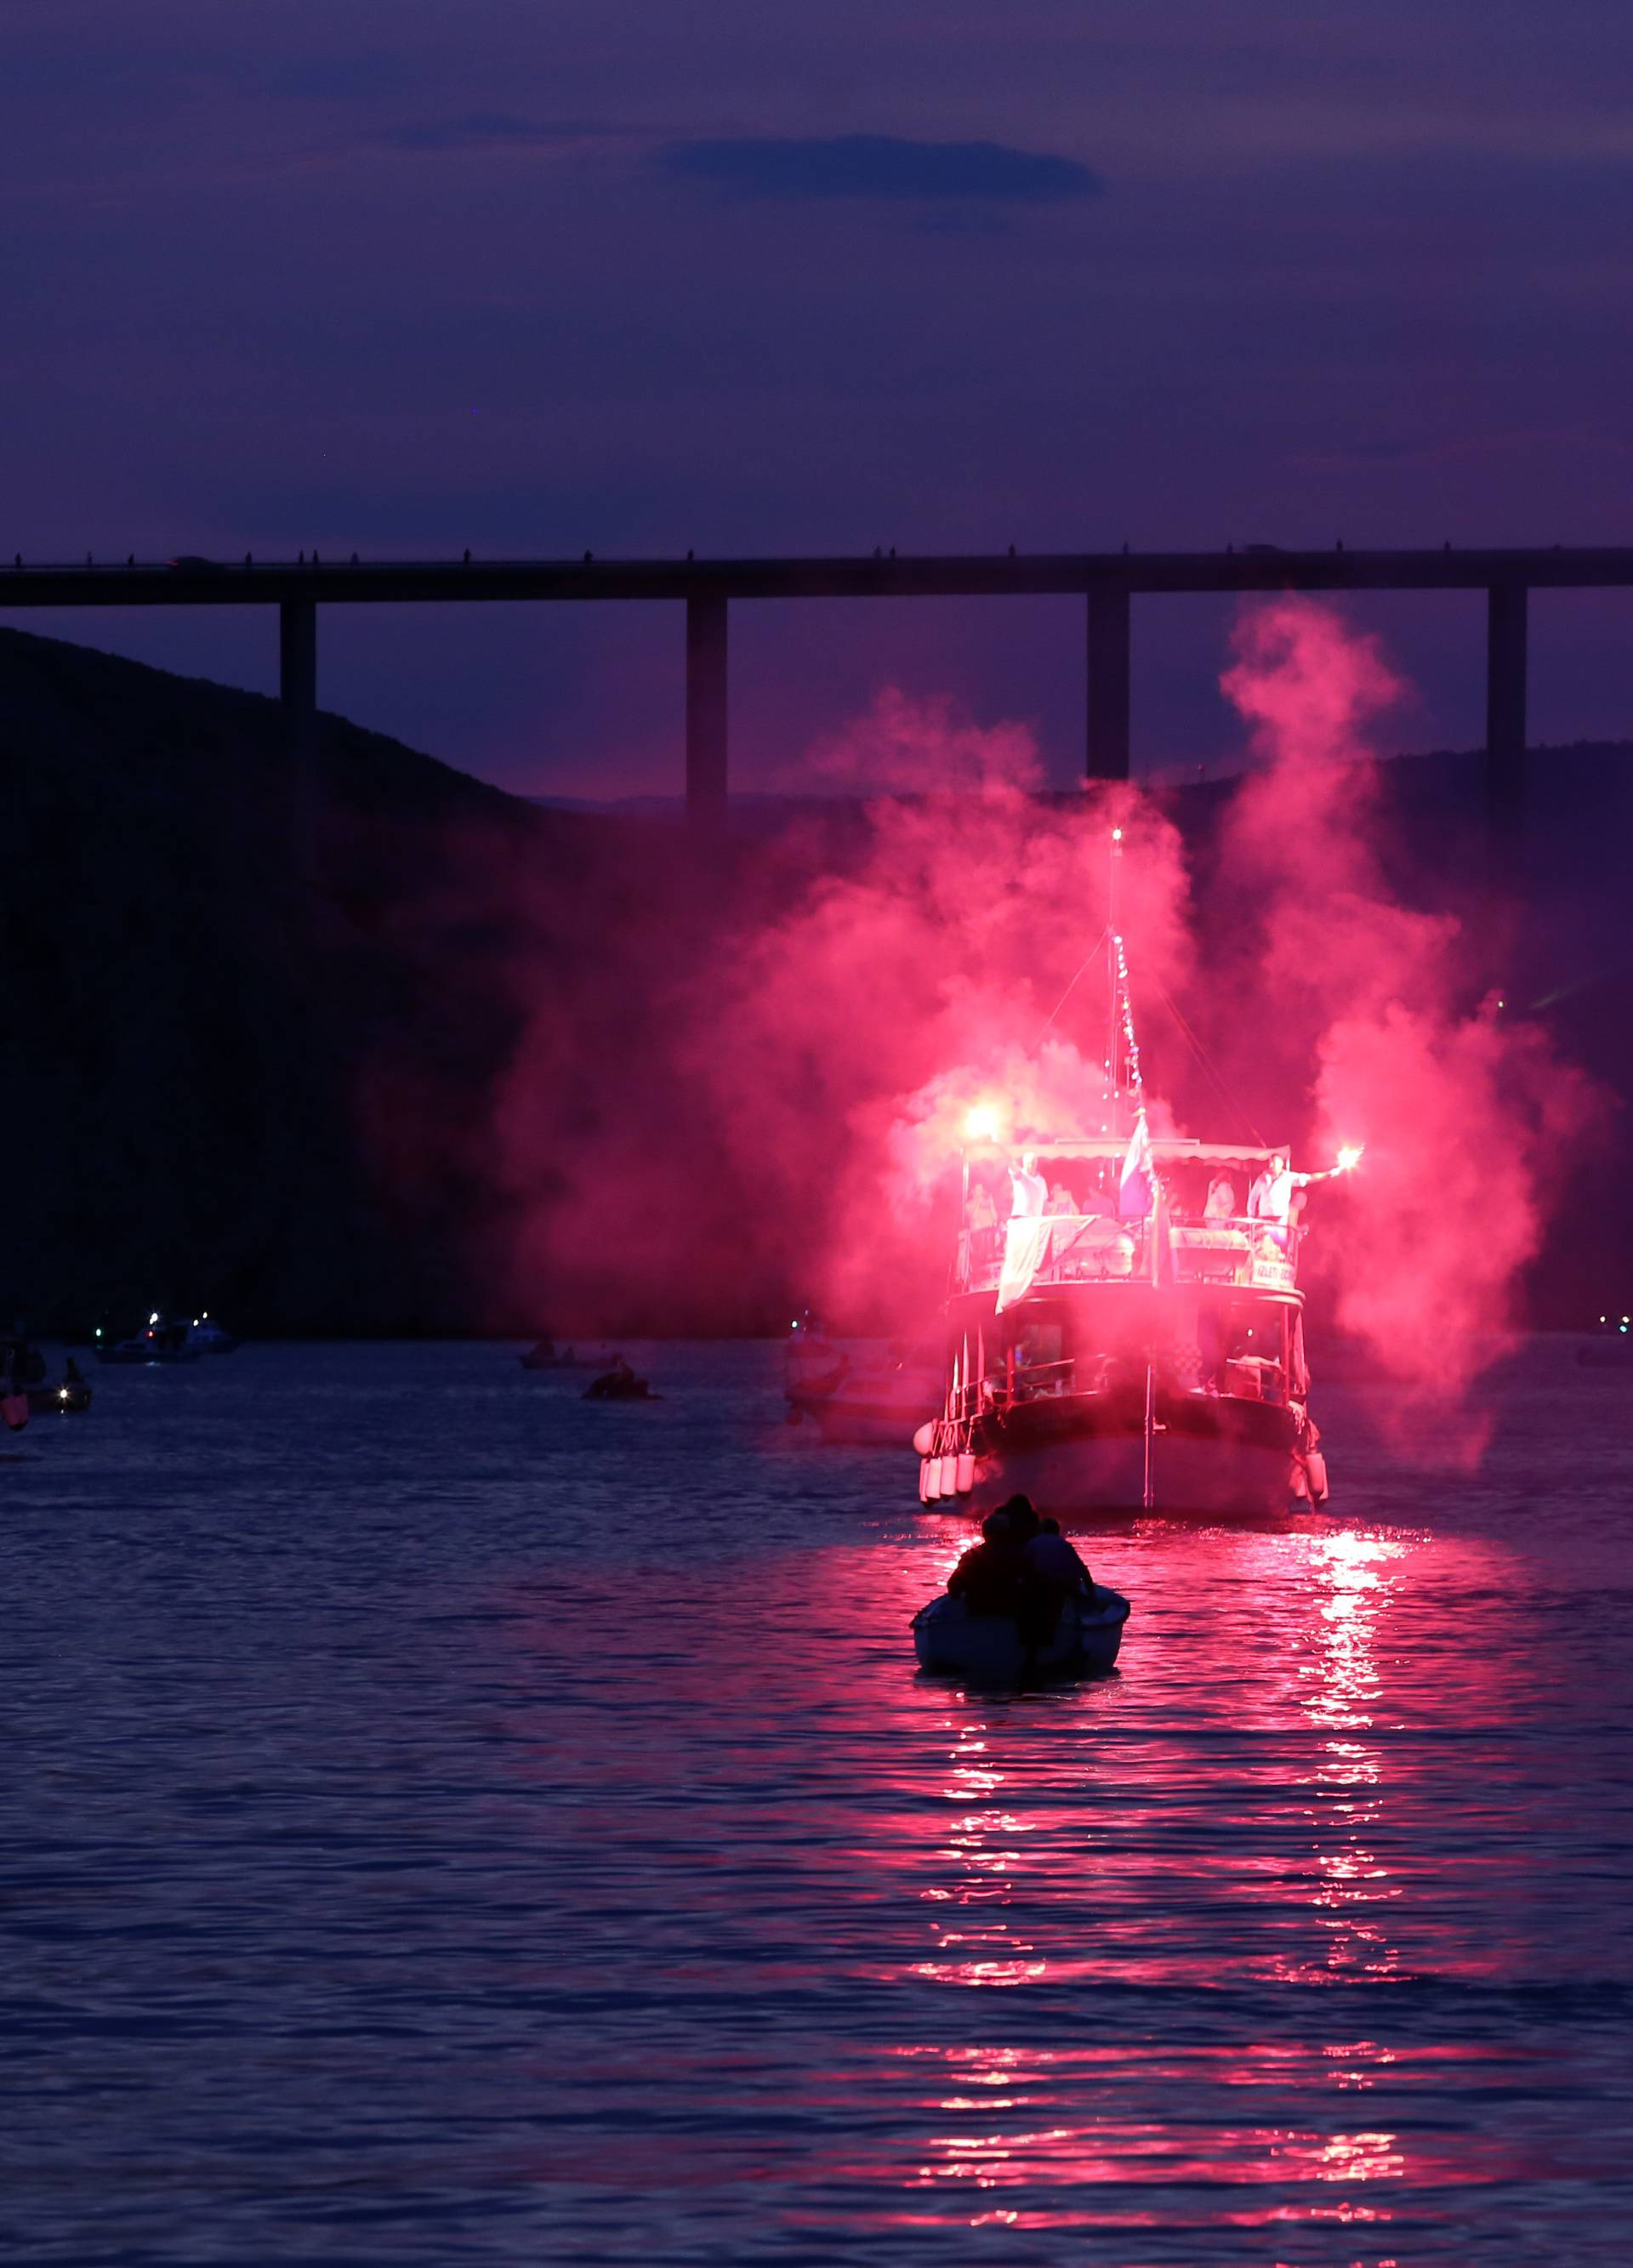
(400, 278)
(479, 129)
(880, 165)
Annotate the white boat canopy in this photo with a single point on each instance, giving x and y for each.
(1167, 1149)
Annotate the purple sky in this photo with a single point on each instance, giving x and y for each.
(403, 275)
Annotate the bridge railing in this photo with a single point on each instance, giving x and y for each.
(1100, 1249)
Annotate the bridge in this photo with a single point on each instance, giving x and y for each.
(1108, 583)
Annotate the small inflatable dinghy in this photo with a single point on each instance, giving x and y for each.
(988, 1649)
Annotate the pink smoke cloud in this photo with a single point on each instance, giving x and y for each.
(757, 1074)
(1469, 1124)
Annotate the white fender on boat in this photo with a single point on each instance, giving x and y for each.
(965, 1478)
(936, 1490)
(924, 1480)
(924, 1439)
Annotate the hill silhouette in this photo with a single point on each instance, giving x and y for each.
(256, 1028)
(198, 965)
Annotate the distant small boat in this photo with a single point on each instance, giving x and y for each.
(21, 1363)
(157, 1341)
(548, 1356)
(989, 1650)
(620, 1384)
(164, 1339)
(70, 1399)
(861, 1396)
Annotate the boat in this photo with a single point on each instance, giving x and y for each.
(157, 1341)
(1610, 1347)
(206, 1336)
(620, 1384)
(859, 1397)
(1139, 1345)
(546, 1355)
(22, 1364)
(988, 1649)
(69, 1399)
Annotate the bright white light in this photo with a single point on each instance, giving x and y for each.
(1349, 1159)
(1117, 834)
(982, 1123)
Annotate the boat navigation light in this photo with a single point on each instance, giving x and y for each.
(152, 1318)
(1117, 834)
(981, 1124)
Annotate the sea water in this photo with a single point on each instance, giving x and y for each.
(446, 1819)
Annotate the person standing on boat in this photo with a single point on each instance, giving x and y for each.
(1221, 1204)
(1271, 1197)
(1029, 1192)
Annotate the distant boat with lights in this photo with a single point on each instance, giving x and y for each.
(1611, 1346)
(169, 1340)
(857, 1396)
(1125, 1326)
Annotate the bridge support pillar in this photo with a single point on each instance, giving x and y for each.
(297, 675)
(706, 714)
(1107, 751)
(1505, 707)
(297, 685)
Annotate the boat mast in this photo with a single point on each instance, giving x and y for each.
(1123, 1055)
(1113, 1016)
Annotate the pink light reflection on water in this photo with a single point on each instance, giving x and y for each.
(996, 1896)
(1191, 1856)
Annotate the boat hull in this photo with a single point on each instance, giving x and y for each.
(987, 1649)
(131, 1356)
(886, 1425)
(1210, 1456)
(1109, 1476)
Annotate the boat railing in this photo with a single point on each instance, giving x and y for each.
(1101, 1248)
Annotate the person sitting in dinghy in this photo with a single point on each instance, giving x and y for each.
(994, 1577)
(991, 1578)
(1049, 1554)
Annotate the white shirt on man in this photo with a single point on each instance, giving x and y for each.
(1271, 1197)
(1028, 1194)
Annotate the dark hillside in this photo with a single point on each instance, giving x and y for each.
(196, 972)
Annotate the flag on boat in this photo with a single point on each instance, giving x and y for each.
(1159, 1237)
(1139, 1181)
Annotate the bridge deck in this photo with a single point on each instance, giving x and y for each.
(1032, 575)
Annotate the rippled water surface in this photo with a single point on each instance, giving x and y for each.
(445, 1820)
